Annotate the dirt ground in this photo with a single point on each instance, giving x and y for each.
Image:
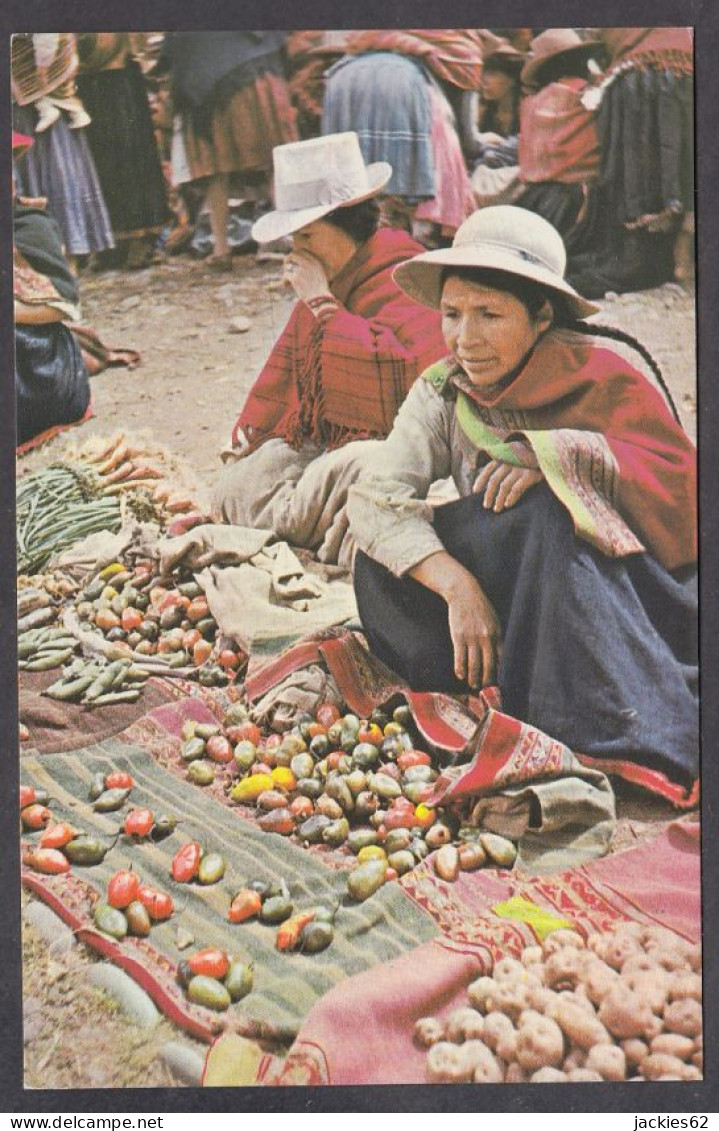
(203, 339)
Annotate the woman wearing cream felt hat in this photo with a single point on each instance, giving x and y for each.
(564, 572)
(340, 369)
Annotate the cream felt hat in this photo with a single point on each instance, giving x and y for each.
(502, 238)
(313, 178)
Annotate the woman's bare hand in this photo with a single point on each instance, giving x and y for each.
(476, 635)
(306, 275)
(504, 484)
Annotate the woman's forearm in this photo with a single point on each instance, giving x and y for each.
(443, 574)
(34, 315)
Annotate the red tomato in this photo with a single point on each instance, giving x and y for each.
(316, 728)
(410, 758)
(119, 780)
(57, 836)
(35, 817)
(139, 822)
(211, 963)
(48, 860)
(198, 609)
(159, 905)
(228, 659)
(190, 639)
(131, 619)
(327, 714)
(251, 732)
(186, 862)
(219, 749)
(122, 889)
(201, 652)
(27, 795)
(301, 807)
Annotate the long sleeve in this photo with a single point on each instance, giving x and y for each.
(389, 516)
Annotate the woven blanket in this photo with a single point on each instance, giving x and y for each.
(657, 883)
(286, 986)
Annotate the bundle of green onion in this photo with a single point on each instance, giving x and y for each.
(57, 507)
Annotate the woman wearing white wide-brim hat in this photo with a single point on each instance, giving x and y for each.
(353, 346)
(564, 572)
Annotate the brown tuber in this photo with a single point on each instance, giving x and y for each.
(540, 1042)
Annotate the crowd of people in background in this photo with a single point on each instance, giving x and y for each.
(137, 137)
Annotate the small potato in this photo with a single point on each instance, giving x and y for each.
(685, 983)
(540, 998)
(510, 998)
(659, 1064)
(597, 979)
(651, 986)
(548, 1076)
(515, 1075)
(558, 939)
(578, 999)
(640, 962)
(625, 1014)
(508, 970)
(448, 1064)
(698, 1060)
(497, 1026)
(691, 1072)
(507, 1046)
(635, 1051)
(562, 969)
(609, 1061)
(464, 1025)
(532, 956)
(480, 991)
(674, 1044)
(576, 1059)
(684, 1016)
(540, 1043)
(619, 949)
(694, 957)
(584, 1076)
(428, 1031)
(578, 1025)
(486, 1067)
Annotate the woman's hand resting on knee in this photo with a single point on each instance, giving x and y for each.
(504, 484)
(473, 624)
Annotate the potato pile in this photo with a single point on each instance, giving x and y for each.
(625, 1005)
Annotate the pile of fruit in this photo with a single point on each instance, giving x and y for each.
(131, 907)
(348, 783)
(212, 978)
(624, 1005)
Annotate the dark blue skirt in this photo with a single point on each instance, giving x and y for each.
(600, 653)
(51, 381)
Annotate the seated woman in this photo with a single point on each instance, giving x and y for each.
(565, 572)
(51, 381)
(344, 363)
(558, 143)
(499, 109)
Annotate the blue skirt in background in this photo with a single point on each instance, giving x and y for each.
(60, 167)
(385, 99)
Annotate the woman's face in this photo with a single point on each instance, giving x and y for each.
(327, 243)
(495, 85)
(488, 331)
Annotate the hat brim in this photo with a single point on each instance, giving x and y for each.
(534, 67)
(275, 225)
(421, 277)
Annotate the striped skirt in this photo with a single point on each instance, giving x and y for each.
(60, 167)
(244, 131)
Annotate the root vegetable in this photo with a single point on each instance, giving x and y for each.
(685, 984)
(579, 1000)
(684, 1016)
(507, 970)
(515, 1074)
(487, 1069)
(510, 998)
(531, 956)
(562, 938)
(428, 1031)
(584, 1076)
(660, 1064)
(578, 1025)
(548, 1076)
(540, 1042)
(562, 970)
(497, 1029)
(597, 979)
(609, 1061)
(464, 1025)
(651, 987)
(674, 1044)
(575, 1059)
(480, 991)
(448, 1064)
(635, 1051)
(446, 863)
(625, 1014)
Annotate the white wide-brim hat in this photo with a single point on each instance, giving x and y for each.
(502, 238)
(313, 178)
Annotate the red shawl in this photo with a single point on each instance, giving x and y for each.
(606, 440)
(557, 137)
(453, 55)
(670, 47)
(342, 376)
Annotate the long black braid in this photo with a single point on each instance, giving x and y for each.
(620, 336)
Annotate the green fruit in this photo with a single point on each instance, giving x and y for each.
(366, 879)
(419, 773)
(110, 800)
(402, 861)
(201, 773)
(336, 833)
(212, 868)
(262, 887)
(361, 838)
(239, 980)
(302, 766)
(384, 786)
(275, 909)
(245, 754)
(397, 840)
(315, 936)
(97, 786)
(309, 787)
(110, 921)
(209, 992)
(364, 755)
(320, 745)
(336, 787)
(194, 748)
(312, 829)
(138, 920)
(356, 782)
(206, 730)
(86, 850)
(326, 913)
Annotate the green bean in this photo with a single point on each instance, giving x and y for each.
(116, 697)
(71, 690)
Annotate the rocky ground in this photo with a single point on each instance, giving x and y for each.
(202, 339)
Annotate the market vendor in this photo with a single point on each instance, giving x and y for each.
(347, 358)
(565, 571)
(51, 381)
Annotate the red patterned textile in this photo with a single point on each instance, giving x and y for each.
(343, 375)
(557, 136)
(452, 55)
(669, 47)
